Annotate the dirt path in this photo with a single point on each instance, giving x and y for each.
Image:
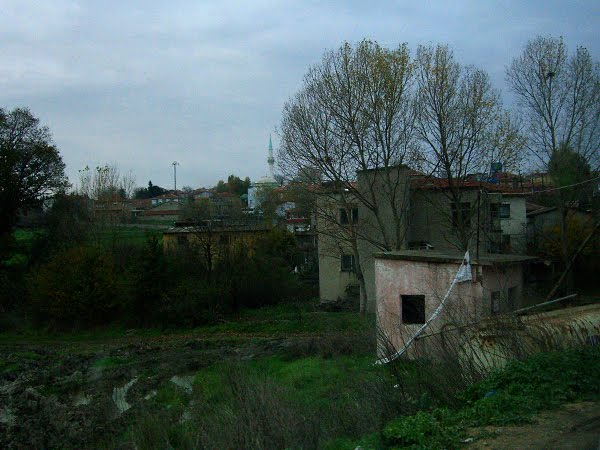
(573, 426)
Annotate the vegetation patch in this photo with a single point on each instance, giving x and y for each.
(510, 396)
(109, 362)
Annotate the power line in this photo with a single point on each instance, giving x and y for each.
(565, 187)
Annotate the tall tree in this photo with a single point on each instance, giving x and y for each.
(151, 191)
(461, 126)
(353, 113)
(31, 168)
(106, 183)
(559, 95)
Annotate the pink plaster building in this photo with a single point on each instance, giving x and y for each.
(410, 285)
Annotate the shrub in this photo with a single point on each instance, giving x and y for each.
(422, 430)
(77, 287)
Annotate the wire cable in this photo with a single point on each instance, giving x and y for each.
(565, 187)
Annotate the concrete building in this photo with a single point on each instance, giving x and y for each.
(498, 215)
(211, 233)
(410, 285)
(392, 209)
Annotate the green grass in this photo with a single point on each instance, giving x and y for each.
(109, 362)
(269, 321)
(6, 368)
(312, 380)
(284, 319)
(170, 396)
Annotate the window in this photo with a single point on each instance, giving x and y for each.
(495, 302)
(495, 217)
(224, 239)
(462, 213)
(413, 309)
(512, 297)
(505, 246)
(182, 239)
(499, 211)
(344, 216)
(347, 263)
(500, 244)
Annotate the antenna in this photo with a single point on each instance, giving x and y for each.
(175, 164)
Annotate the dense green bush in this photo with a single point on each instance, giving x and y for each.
(79, 286)
(422, 430)
(137, 284)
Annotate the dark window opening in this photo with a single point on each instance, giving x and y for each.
(461, 216)
(413, 309)
(495, 217)
(182, 239)
(505, 211)
(512, 298)
(495, 302)
(500, 244)
(344, 216)
(224, 239)
(347, 263)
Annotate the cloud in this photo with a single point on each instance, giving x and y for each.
(144, 83)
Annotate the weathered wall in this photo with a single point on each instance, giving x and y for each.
(388, 190)
(493, 343)
(431, 219)
(469, 301)
(333, 240)
(394, 278)
(332, 281)
(516, 225)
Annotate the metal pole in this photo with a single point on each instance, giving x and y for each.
(478, 209)
(175, 164)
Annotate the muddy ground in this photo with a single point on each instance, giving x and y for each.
(574, 426)
(67, 395)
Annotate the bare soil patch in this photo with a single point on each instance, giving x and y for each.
(573, 426)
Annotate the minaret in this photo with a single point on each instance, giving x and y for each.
(270, 159)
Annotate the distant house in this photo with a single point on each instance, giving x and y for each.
(202, 193)
(543, 225)
(113, 210)
(165, 198)
(166, 211)
(211, 238)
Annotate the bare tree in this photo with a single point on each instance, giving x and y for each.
(559, 96)
(353, 114)
(462, 127)
(105, 183)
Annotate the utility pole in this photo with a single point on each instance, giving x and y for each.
(175, 164)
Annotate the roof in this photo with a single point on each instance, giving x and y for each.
(217, 229)
(541, 210)
(453, 257)
(162, 212)
(425, 183)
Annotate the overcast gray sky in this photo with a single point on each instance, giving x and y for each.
(143, 84)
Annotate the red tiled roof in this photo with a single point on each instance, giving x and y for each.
(164, 212)
(443, 183)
